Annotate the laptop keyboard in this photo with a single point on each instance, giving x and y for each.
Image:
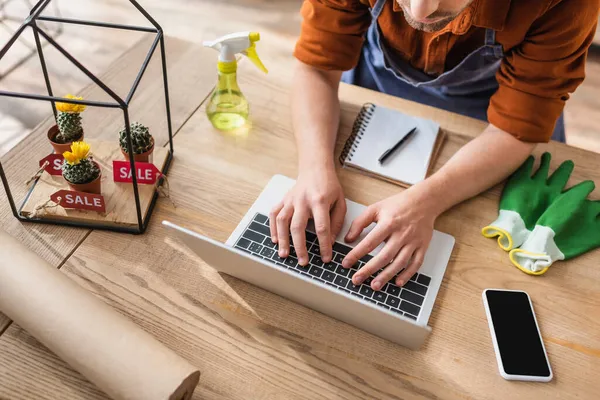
(406, 300)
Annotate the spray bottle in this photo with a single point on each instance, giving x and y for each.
(227, 108)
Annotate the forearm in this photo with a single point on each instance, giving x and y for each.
(315, 114)
(481, 164)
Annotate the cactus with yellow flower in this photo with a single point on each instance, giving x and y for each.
(68, 119)
(80, 170)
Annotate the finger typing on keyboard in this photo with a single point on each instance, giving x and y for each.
(406, 300)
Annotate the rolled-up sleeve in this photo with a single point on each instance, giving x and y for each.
(536, 78)
(332, 33)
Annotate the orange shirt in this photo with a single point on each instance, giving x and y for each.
(545, 44)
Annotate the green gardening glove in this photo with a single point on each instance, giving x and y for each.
(524, 199)
(568, 228)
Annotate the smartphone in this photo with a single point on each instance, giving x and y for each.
(518, 344)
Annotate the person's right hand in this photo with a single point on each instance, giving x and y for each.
(316, 194)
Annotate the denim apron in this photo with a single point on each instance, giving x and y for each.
(466, 89)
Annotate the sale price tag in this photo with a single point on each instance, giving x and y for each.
(54, 166)
(79, 200)
(146, 173)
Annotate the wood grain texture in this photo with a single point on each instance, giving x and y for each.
(118, 197)
(251, 344)
(55, 243)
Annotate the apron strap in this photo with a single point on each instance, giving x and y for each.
(492, 47)
(377, 8)
(490, 37)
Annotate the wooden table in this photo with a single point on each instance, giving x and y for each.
(251, 344)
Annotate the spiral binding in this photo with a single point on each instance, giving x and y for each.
(358, 130)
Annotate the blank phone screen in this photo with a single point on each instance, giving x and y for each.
(519, 342)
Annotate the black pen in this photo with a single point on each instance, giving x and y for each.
(395, 147)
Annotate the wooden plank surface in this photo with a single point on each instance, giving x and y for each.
(119, 198)
(191, 85)
(252, 344)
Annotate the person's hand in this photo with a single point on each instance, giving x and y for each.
(405, 223)
(316, 194)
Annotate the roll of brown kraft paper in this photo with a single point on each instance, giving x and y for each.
(104, 346)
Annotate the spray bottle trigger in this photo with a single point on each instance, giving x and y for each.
(251, 53)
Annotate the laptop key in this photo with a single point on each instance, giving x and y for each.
(255, 237)
(366, 291)
(329, 266)
(410, 316)
(392, 301)
(409, 308)
(315, 249)
(414, 277)
(338, 258)
(269, 243)
(293, 251)
(261, 219)
(255, 248)
(260, 228)
(416, 287)
(243, 243)
(342, 271)
(328, 276)
(351, 273)
(424, 279)
(291, 261)
(341, 281)
(316, 260)
(392, 289)
(351, 286)
(412, 297)
(342, 249)
(315, 271)
(275, 257)
(302, 268)
(379, 296)
(267, 252)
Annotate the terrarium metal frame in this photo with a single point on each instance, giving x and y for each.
(123, 104)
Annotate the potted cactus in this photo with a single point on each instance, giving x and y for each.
(68, 127)
(80, 171)
(143, 142)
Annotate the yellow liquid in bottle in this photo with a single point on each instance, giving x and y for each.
(227, 108)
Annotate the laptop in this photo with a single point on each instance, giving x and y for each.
(398, 314)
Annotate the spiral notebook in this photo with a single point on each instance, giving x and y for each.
(377, 129)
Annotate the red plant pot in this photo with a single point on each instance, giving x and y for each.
(94, 186)
(144, 157)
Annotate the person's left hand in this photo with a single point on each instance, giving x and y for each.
(405, 223)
